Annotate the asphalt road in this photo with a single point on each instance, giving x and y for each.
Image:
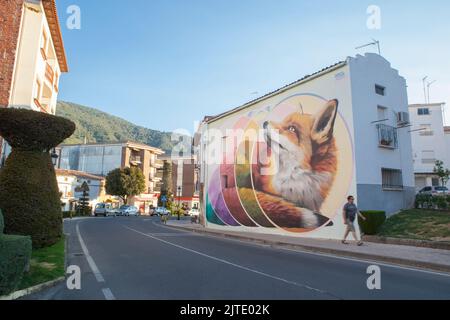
(138, 258)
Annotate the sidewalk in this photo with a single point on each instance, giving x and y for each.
(434, 259)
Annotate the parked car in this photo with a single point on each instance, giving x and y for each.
(104, 209)
(161, 211)
(434, 191)
(194, 212)
(127, 210)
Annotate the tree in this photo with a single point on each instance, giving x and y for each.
(29, 194)
(83, 202)
(441, 172)
(125, 183)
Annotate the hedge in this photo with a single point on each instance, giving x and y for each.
(424, 201)
(29, 194)
(374, 220)
(33, 131)
(15, 254)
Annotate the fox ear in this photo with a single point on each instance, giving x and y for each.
(322, 130)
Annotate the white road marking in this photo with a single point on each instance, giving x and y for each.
(277, 247)
(234, 264)
(89, 259)
(108, 294)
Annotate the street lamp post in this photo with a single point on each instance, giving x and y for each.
(55, 157)
(179, 198)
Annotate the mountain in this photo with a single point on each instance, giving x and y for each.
(98, 126)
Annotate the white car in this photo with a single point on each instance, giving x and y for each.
(126, 210)
(161, 211)
(194, 212)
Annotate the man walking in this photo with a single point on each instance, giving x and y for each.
(349, 214)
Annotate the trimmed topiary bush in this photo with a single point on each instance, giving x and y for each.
(374, 220)
(15, 254)
(29, 195)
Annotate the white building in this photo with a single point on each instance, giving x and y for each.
(70, 180)
(32, 57)
(430, 142)
(340, 131)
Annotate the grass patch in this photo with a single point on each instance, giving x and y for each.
(418, 224)
(46, 264)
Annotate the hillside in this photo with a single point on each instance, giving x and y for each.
(98, 126)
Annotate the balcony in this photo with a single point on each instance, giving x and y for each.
(49, 73)
(387, 136)
(135, 160)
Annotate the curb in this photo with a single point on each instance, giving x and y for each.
(408, 242)
(365, 256)
(21, 293)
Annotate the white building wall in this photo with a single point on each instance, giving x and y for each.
(430, 144)
(366, 72)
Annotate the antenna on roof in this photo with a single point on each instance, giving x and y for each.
(374, 43)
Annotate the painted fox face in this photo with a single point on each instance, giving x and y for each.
(303, 146)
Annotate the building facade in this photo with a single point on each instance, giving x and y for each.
(32, 57)
(430, 142)
(100, 159)
(286, 162)
(185, 183)
(70, 180)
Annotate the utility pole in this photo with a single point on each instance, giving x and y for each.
(424, 80)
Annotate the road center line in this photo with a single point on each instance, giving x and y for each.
(234, 264)
(89, 259)
(108, 294)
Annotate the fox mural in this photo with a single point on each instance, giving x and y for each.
(306, 155)
(288, 189)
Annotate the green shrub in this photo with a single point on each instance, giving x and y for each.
(15, 253)
(441, 202)
(68, 214)
(374, 220)
(33, 131)
(2, 222)
(29, 194)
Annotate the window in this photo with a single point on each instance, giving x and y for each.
(387, 136)
(423, 111)
(391, 178)
(425, 130)
(382, 113)
(380, 90)
(428, 157)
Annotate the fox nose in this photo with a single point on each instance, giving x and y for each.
(266, 124)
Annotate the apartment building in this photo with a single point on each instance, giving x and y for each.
(32, 57)
(101, 158)
(430, 142)
(285, 163)
(185, 183)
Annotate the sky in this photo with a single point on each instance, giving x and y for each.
(165, 64)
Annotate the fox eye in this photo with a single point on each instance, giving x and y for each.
(292, 129)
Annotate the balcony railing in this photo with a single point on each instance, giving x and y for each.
(387, 136)
(135, 159)
(49, 73)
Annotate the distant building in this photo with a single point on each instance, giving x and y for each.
(185, 184)
(101, 158)
(32, 57)
(430, 142)
(70, 180)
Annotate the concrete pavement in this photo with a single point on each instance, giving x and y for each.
(138, 258)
